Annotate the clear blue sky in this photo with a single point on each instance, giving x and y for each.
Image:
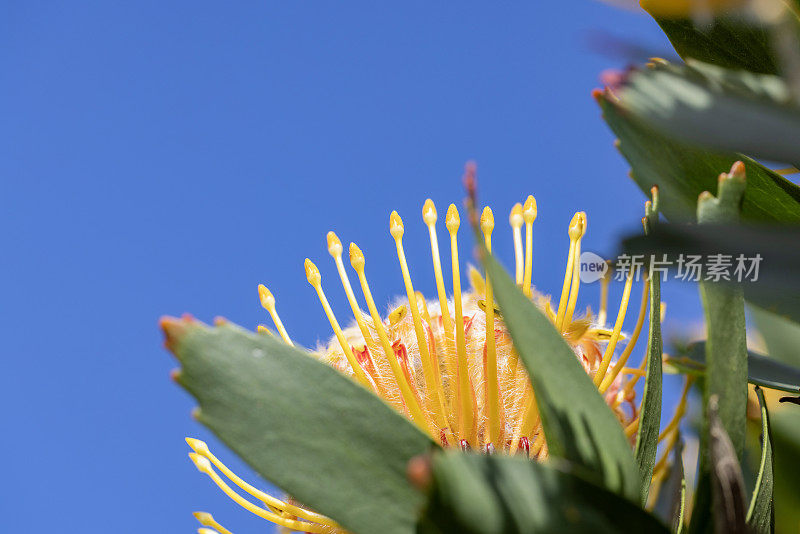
(164, 157)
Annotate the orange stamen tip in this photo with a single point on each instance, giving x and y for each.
(577, 227)
(267, 300)
(429, 212)
(219, 321)
(529, 210)
(452, 220)
(487, 220)
(395, 225)
(356, 257)
(334, 245)
(515, 219)
(312, 273)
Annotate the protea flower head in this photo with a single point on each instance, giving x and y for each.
(447, 363)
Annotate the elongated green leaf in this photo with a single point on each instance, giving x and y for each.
(474, 494)
(717, 108)
(682, 172)
(578, 424)
(305, 427)
(650, 412)
(768, 253)
(761, 370)
(785, 432)
(781, 335)
(730, 41)
(761, 515)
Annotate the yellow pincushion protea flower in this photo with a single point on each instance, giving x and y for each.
(448, 364)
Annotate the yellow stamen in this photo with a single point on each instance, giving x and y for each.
(516, 221)
(632, 371)
(631, 429)
(315, 279)
(576, 273)
(670, 445)
(429, 216)
(492, 387)
(201, 449)
(530, 419)
(623, 359)
(207, 520)
(335, 250)
(432, 380)
(574, 234)
(612, 343)
(529, 212)
(423, 307)
(680, 409)
(207, 531)
(466, 421)
(358, 262)
(268, 302)
(204, 466)
(261, 329)
(601, 315)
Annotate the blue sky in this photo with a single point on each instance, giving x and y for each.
(160, 158)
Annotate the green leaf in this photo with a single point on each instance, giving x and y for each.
(578, 424)
(781, 335)
(305, 427)
(761, 370)
(726, 346)
(682, 171)
(729, 41)
(725, 384)
(727, 483)
(761, 515)
(650, 412)
(785, 433)
(717, 108)
(494, 494)
(777, 287)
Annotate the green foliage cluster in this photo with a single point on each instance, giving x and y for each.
(681, 128)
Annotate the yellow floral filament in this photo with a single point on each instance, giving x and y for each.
(358, 263)
(204, 466)
(680, 409)
(576, 273)
(335, 250)
(631, 429)
(429, 216)
(601, 315)
(529, 212)
(574, 235)
(623, 359)
(612, 343)
(516, 221)
(530, 420)
(207, 520)
(466, 419)
(315, 279)
(492, 387)
(268, 302)
(201, 448)
(432, 381)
